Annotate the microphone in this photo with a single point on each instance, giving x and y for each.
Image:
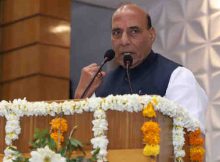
(128, 60)
(109, 55)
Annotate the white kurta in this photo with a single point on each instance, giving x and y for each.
(185, 90)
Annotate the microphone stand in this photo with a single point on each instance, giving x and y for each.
(128, 75)
(128, 62)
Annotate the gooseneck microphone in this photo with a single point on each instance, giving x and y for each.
(128, 60)
(109, 55)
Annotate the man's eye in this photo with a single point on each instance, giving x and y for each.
(116, 33)
(134, 31)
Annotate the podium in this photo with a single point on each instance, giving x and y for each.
(124, 134)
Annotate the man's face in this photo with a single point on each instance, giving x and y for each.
(130, 34)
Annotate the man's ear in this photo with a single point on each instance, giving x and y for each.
(152, 34)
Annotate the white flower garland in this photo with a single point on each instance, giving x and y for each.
(100, 126)
(10, 154)
(12, 128)
(131, 103)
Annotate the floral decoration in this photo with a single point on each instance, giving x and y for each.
(178, 142)
(100, 140)
(18, 108)
(151, 130)
(11, 154)
(196, 146)
(58, 127)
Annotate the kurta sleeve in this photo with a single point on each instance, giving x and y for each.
(185, 90)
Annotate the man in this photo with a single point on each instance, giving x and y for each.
(150, 73)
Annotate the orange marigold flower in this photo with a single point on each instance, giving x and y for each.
(59, 124)
(152, 139)
(195, 133)
(57, 136)
(197, 154)
(149, 111)
(150, 127)
(196, 141)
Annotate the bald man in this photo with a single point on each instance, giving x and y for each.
(150, 72)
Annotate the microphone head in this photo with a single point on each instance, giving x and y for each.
(109, 55)
(128, 59)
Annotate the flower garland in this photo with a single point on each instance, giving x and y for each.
(196, 150)
(12, 128)
(178, 141)
(151, 131)
(131, 103)
(10, 154)
(100, 140)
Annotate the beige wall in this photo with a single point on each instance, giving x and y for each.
(188, 32)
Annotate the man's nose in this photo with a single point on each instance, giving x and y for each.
(125, 40)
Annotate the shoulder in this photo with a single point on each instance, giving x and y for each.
(182, 74)
(163, 60)
(183, 85)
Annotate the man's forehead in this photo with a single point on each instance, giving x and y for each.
(129, 9)
(130, 15)
(128, 24)
(128, 20)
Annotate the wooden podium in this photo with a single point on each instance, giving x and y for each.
(125, 137)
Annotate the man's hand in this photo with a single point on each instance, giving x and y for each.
(87, 74)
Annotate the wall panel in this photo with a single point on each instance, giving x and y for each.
(54, 31)
(49, 7)
(35, 59)
(14, 10)
(36, 87)
(34, 50)
(20, 34)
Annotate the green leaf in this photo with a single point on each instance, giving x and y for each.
(71, 160)
(94, 155)
(52, 144)
(74, 143)
(78, 142)
(21, 159)
(96, 151)
(62, 152)
(41, 139)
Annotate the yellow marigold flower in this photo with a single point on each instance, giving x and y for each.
(59, 124)
(55, 136)
(151, 150)
(149, 111)
(150, 127)
(197, 154)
